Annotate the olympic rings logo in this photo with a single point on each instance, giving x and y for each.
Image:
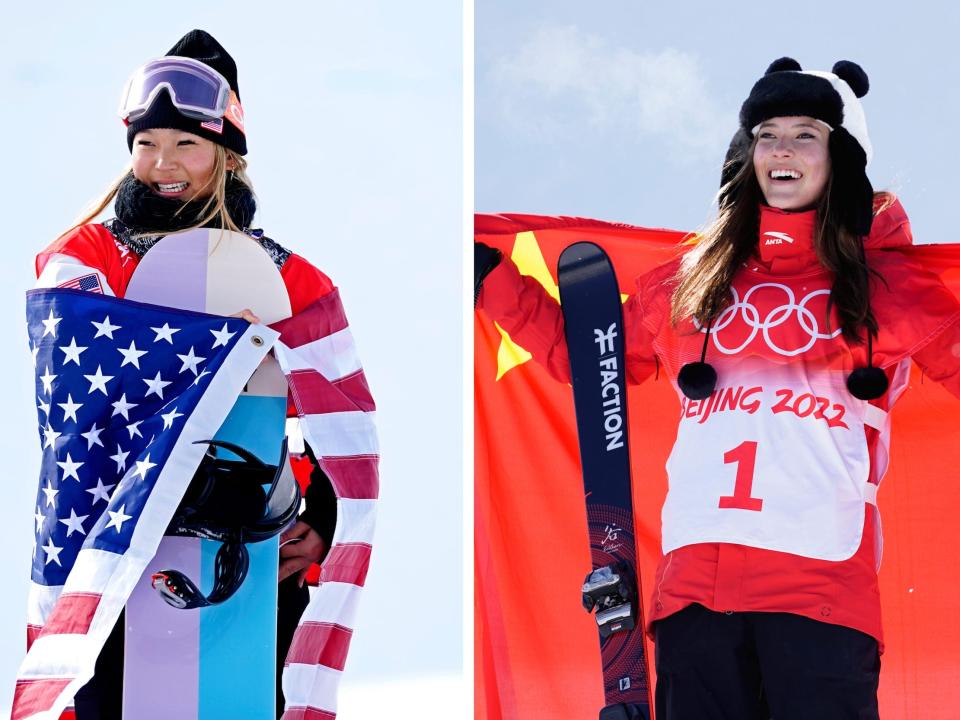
(775, 318)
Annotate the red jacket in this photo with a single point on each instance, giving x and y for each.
(918, 319)
(96, 247)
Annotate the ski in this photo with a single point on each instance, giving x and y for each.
(593, 316)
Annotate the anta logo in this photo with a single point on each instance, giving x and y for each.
(777, 238)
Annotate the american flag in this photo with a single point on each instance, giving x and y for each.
(329, 391)
(89, 282)
(336, 411)
(214, 125)
(123, 390)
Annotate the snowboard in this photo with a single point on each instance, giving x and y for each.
(593, 319)
(218, 662)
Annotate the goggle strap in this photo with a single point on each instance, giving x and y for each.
(234, 112)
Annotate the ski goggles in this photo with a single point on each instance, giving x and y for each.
(196, 90)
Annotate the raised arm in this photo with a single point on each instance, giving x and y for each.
(532, 317)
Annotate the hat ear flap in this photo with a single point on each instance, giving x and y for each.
(850, 188)
(737, 155)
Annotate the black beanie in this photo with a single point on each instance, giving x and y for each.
(202, 46)
(785, 90)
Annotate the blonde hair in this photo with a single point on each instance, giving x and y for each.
(214, 209)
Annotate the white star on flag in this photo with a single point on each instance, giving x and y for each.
(104, 328)
(93, 436)
(47, 380)
(131, 356)
(156, 385)
(128, 383)
(33, 351)
(98, 381)
(75, 522)
(39, 517)
(118, 518)
(70, 408)
(50, 325)
(50, 437)
(121, 406)
(70, 467)
(190, 361)
(120, 459)
(223, 336)
(51, 493)
(200, 376)
(52, 551)
(165, 333)
(72, 352)
(100, 492)
(169, 417)
(144, 466)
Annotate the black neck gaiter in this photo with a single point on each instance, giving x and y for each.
(141, 210)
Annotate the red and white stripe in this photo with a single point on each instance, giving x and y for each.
(67, 626)
(336, 411)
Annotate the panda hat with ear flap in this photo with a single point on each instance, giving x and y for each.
(833, 98)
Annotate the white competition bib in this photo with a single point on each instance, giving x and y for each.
(779, 463)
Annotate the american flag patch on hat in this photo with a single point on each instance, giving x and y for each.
(214, 125)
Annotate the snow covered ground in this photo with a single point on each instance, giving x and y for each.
(434, 697)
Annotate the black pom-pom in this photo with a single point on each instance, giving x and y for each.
(697, 380)
(853, 75)
(781, 64)
(867, 383)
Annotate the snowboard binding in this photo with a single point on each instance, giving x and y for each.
(230, 570)
(611, 591)
(234, 502)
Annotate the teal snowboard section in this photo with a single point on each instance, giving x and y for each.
(219, 662)
(232, 666)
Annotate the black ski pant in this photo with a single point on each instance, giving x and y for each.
(102, 697)
(763, 666)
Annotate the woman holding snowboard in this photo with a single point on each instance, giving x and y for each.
(185, 131)
(789, 329)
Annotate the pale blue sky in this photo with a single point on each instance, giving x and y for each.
(354, 128)
(622, 110)
(617, 110)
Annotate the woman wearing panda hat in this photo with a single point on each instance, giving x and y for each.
(795, 300)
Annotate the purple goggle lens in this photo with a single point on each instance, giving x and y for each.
(196, 90)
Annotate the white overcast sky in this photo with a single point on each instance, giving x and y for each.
(622, 110)
(354, 127)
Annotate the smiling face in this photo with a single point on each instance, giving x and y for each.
(174, 163)
(792, 161)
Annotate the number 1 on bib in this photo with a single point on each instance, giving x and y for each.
(745, 456)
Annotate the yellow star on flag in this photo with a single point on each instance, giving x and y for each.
(528, 258)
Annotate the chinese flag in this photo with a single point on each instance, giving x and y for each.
(536, 650)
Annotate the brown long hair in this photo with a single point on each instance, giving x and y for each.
(706, 272)
(214, 209)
